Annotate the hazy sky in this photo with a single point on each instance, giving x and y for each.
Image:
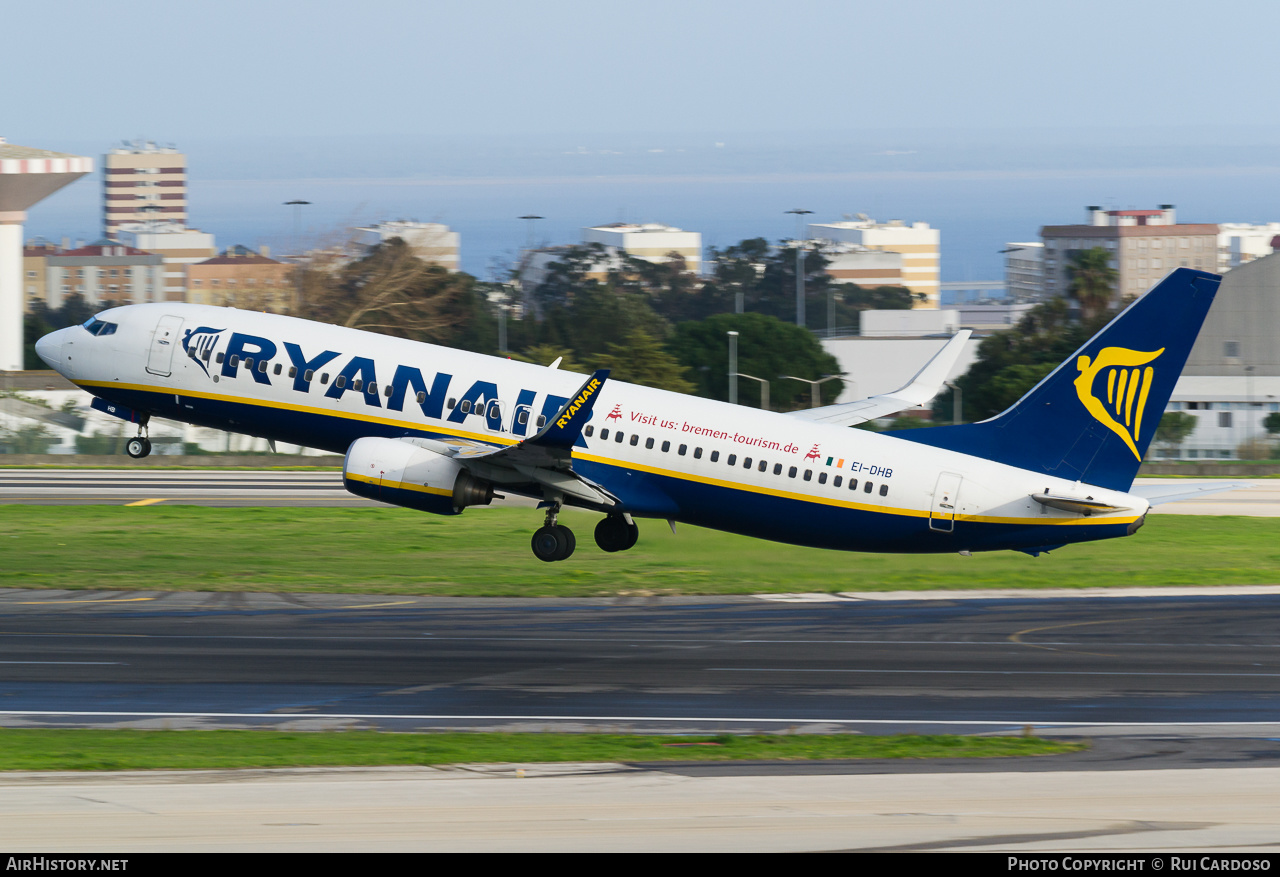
(181, 70)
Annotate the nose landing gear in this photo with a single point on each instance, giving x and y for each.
(139, 446)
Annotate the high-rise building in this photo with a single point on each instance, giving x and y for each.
(1024, 271)
(177, 245)
(107, 273)
(429, 241)
(917, 242)
(652, 241)
(1241, 242)
(241, 278)
(1145, 245)
(143, 182)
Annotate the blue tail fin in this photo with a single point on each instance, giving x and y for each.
(1093, 417)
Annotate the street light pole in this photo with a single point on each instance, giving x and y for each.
(733, 368)
(297, 221)
(800, 215)
(764, 390)
(816, 394)
(532, 220)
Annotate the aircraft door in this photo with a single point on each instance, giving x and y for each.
(165, 339)
(946, 496)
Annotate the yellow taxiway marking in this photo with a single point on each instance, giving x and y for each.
(1017, 637)
(143, 502)
(51, 602)
(377, 605)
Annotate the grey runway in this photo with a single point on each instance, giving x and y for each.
(1190, 665)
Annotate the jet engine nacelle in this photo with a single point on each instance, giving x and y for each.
(403, 474)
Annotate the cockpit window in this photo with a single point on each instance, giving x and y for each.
(99, 327)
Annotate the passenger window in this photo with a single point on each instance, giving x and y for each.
(466, 406)
(715, 456)
(308, 375)
(421, 397)
(666, 446)
(808, 474)
(681, 450)
(293, 372)
(279, 368)
(635, 439)
(523, 417)
(235, 360)
(373, 388)
(777, 468)
(604, 435)
(746, 462)
(262, 367)
(697, 453)
(822, 477)
(732, 460)
(387, 391)
(839, 479)
(884, 490)
(542, 421)
(206, 356)
(791, 473)
(853, 483)
(648, 444)
(357, 385)
(451, 403)
(619, 436)
(324, 378)
(220, 356)
(248, 363)
(590, 430)
(763, 465)
(340, 381)
(866, 488)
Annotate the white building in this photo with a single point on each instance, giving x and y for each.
(1240, 242)
(652, 242)
(851, 263)
(918, 243)
(431, 242)
(176, 244)
(1024, 271)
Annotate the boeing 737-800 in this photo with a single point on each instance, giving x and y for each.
(438, 430)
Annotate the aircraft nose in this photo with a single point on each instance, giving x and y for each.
(49, 348)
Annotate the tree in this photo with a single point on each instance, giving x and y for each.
(1174, 428)
(767, 348)
(640, 359)
(394, 292)
(1091, 281)
(1272, 423)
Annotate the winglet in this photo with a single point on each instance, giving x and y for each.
(563, 429)
(917, 391)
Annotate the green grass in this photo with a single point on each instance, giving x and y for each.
(485, 552)
(59, 749)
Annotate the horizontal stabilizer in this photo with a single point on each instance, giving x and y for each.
(1157, 494)
(918, 391)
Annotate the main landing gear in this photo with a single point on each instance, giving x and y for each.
(139, 446)
(555, 541)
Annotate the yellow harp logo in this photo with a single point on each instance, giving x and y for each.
(1127, 386)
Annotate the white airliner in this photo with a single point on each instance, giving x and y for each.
(438, 430)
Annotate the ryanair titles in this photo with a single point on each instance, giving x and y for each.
(253, 354)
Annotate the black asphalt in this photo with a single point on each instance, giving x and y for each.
(684, 664)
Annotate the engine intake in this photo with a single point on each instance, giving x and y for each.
(402, 474)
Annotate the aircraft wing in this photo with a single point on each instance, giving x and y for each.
(919, 390)
(1162, 493)
(545, 459)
